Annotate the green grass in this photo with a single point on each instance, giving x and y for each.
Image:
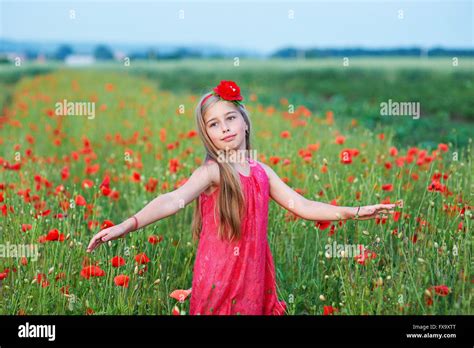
(444, 91)
(137, 110)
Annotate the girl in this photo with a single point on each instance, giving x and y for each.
(234, 271)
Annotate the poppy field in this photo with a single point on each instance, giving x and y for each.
(65, 176)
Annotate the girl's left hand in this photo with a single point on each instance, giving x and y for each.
(373, 211)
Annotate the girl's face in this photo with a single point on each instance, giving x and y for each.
(225, 126)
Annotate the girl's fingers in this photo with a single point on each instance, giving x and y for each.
(90, 247)
(93, 245)
(107, 238)
(111, 236)
(96, 240)
(386, 206)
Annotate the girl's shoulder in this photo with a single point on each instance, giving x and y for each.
(213, 169)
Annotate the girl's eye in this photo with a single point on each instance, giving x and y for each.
(214, 123)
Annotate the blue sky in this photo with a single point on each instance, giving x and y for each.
(256, 25)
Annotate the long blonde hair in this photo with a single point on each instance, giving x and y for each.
(231, 202)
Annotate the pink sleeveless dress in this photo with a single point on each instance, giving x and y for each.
(236, 278)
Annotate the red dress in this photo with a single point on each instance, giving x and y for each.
(232, 278)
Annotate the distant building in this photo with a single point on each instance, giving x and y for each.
(79, 60)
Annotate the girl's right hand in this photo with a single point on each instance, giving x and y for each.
(103, 236)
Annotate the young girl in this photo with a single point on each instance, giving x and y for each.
(234, 271)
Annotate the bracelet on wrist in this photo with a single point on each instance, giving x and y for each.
(135, 222)
(356, 216)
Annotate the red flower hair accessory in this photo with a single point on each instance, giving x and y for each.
(226, 90)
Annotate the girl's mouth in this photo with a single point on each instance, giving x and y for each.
(229, 138)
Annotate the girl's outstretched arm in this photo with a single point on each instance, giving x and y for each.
(162, 206)
(317, 211)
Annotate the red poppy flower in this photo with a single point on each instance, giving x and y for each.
(87, 184)
(180, 295)
(41, 279)
(443, 147)
(176, 311)
(117, 261)
(3, 275)
(122, 280)
(396, 216)
(441, 290)
(52, 235)
(285, 134)
(174, 165)
(346, 156)
(437, 186)
(155, 239)
(393, 151)
(340, 139)
(65, 173)
(228, 90)
(322, 225)
(106, 182)
(92, 271)
(60, 276)
(106, 224)
(142, 258)
(80, 200)
(387, 187)
(329, 310)
(105, 191)
(92, 169)
(191, 134)
(136, 176)
(150, 186)
(364, 256)
(274, 160)
(25, 227)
